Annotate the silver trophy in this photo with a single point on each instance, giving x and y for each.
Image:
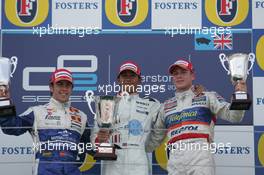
(238, 68)
(105, 115)
(6, 106)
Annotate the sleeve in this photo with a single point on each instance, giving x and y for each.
(94, 132)
(158, 130)
(220, 108)
(18, 125)
(85, 140)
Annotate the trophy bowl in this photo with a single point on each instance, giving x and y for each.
(105, 116)
(238, 68)
(6, 106)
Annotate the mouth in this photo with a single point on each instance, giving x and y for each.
(179, 81)
(63, 94)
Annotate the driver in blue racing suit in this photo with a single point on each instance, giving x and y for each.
(56, 127)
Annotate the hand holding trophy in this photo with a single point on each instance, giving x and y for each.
(238, 68)
(6, 106)
(105, 116)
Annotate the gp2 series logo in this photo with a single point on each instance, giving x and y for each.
(84, 77)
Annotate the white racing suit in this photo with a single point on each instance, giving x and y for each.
(187, 119)
(57, 129)
(134, 121)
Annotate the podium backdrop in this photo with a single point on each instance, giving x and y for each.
(93, 37)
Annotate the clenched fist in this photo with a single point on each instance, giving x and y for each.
(241, 86)
(4, 91)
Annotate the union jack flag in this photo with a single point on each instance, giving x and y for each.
(223, 41)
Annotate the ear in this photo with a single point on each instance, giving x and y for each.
(139, 79)
(193, 75)
(118, 80)
(51, 88)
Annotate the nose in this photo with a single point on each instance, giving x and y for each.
(65, 88)
(176, 76)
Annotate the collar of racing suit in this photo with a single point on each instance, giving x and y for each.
(58, 104)
(180, 95)
(130, 96)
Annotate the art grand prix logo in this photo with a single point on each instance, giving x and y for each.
(126, 13)
(226, 12)
(26, 13)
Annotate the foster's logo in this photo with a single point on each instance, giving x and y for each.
(227, 9)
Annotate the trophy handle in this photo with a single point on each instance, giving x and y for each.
(223, 59)
(14, 63)
(251, 58)
(89, 96)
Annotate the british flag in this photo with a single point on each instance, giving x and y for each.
(223, 41)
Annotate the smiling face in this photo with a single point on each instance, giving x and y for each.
(61, 90)
(182, 78)
(129, 81)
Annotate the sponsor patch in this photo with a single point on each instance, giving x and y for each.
(201, 100)
(52, 117)
(170, 106)
(142, 103)
(135, 127)
(183, 129)
(142, 112)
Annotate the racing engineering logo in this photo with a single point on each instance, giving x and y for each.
(85, 78)
(126, 13)
(226, 12)
(26, 13)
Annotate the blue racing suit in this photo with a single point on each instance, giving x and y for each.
(57, 130)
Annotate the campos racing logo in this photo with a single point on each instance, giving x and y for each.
(26, 13)
(227, 9)
(226, 12)
(126, 13)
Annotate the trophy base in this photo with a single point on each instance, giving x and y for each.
(105, 156)
(105, 152)
(6, 111)
(240, 101)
